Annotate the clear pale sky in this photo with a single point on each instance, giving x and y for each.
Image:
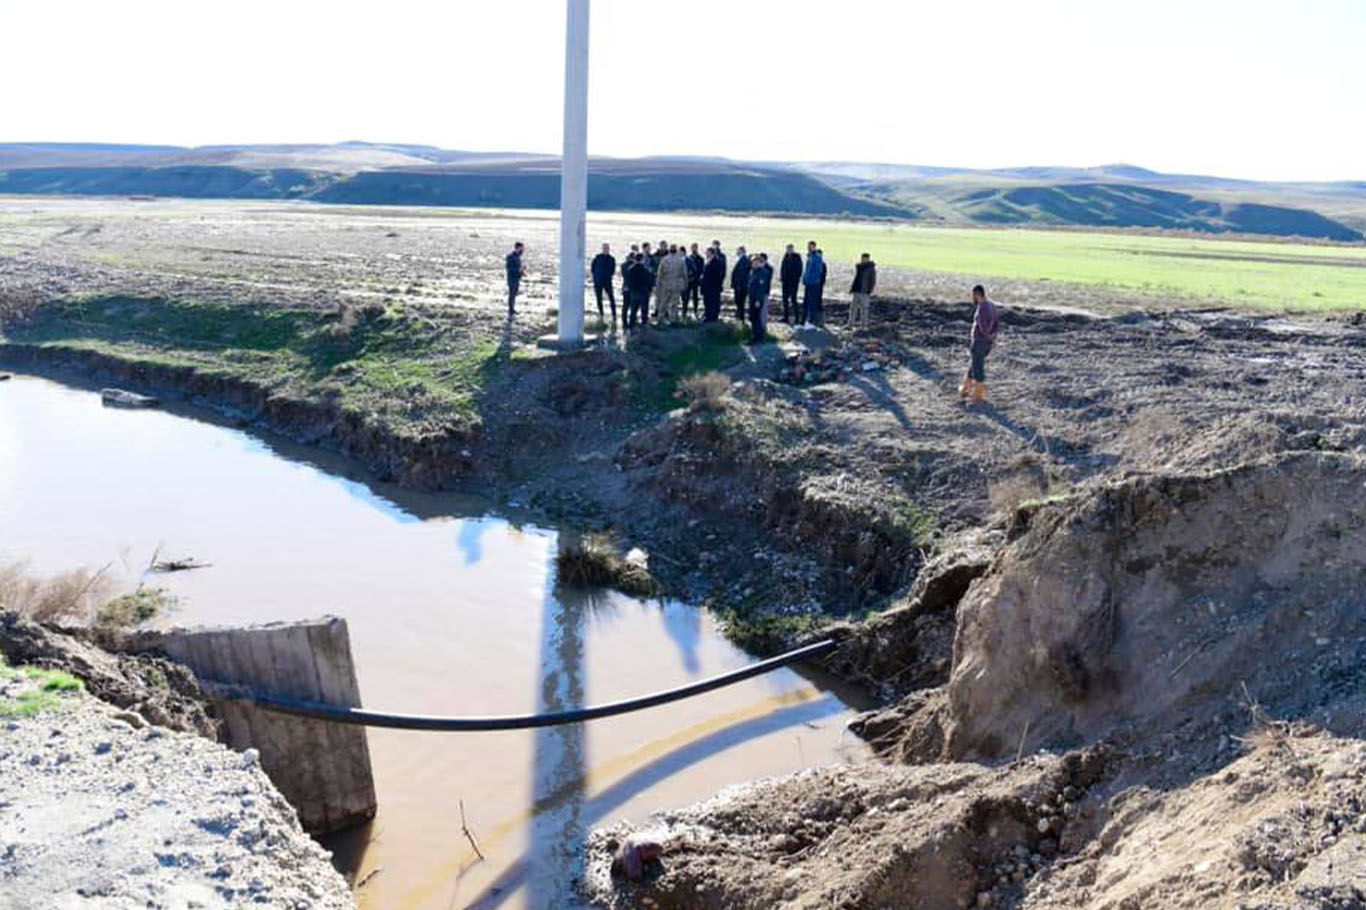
(1244, 88)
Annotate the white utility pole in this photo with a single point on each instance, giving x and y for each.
(574, 174)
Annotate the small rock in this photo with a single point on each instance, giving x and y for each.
(632, 856)
(102, 748)
(250, 757)
(984, 898)
(131, 719)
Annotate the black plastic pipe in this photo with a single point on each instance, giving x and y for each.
(363, 717)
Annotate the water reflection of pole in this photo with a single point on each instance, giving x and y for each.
(559, 760)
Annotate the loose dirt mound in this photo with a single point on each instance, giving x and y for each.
(856, 837)
(1279, 828)
(1161, 598)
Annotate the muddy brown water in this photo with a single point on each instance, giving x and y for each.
(452, 610)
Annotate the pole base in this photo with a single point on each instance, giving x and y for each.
(552, 342)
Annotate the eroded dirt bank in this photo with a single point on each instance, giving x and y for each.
(780, 500)
(1185, 652)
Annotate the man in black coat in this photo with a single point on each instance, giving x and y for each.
(739, 282)
(713, 279)
(861, 293)
(625, 285)
(515, 271)
(642, 281)
(695, 266)
(603, 268)
(790, 274)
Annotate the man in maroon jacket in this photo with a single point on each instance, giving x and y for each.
(985, 321)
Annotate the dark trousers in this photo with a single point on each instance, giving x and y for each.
(740, 295)
(812, 311)
(692, 294)
(640, 308)
(758, 318)
(625, 305)
(597, 290)
(512, 299)
(979, 351)
(711, 304)
(790, 297)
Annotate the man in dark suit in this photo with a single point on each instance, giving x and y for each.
(603, 268)
(790, 273)
(739, 282)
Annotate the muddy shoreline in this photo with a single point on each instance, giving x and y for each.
(416, 463)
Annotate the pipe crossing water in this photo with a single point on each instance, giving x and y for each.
(359, 716)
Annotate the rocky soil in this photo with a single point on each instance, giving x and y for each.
(98, 808)
(1159, 684)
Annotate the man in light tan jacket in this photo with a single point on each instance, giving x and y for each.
(673, 281)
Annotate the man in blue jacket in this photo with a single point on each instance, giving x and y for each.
(603, 269)
(515, 271)
(813, 281)
(760, 284)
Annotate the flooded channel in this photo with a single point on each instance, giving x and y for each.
(451, 611)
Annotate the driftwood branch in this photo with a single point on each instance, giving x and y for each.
(465, 829)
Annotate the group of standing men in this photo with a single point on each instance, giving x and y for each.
(680, 278)
(676, 277)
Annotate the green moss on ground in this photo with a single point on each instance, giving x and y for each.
(41, 690)
(381, 359)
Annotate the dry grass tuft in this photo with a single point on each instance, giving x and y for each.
(67, 597)
(705, 391)
(136, 608)
(592, 561)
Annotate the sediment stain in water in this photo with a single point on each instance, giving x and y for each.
(451, 612)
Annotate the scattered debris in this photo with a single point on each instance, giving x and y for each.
(184, 564)
(121, 398)
(831, 364)
(465, 829)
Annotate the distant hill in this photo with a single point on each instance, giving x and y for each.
(1111, 196)
(1125, 205)
(363, 173)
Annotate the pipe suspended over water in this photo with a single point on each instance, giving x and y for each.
(363, 717)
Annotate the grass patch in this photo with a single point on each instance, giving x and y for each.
(674, 355)
(43, 691)
(769, 634)
(593, 560)
(135, 608)
(385, 359)
(1270, 274)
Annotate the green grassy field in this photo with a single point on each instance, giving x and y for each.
(1240, 272)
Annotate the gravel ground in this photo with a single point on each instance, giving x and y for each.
(98, 809)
